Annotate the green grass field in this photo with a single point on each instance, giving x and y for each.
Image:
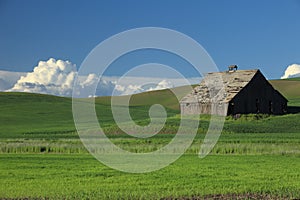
(42, 157)
(77, 176)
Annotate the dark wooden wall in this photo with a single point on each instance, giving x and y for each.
(258, 97)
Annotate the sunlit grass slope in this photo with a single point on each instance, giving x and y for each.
(290, 88)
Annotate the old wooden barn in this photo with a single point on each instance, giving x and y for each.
(244, 91)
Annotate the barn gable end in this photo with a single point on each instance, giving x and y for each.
(245, 91)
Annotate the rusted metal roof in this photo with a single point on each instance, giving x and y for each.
(211, 87)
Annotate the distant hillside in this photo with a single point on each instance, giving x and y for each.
(163, 97)
(290, 88)
(32, 114)
(26, 113)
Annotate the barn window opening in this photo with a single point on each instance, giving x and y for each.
(187, 104)
(231, 108)
(270, 107)
(257, 105)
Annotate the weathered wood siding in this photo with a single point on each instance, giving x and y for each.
(189, 108)
(204, 108)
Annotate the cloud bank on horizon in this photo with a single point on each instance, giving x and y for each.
(292, 71)
(56, 77)
(8, 79)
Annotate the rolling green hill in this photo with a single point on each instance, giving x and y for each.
(25, 113)
(29, 115)
(34, 115)
(163, 97)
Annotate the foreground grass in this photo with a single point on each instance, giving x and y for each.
(234, 144)
(82, 177)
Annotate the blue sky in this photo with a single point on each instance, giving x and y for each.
(251, 34)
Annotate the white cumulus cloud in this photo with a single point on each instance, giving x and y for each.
(49, 77)
(56, 77)
(292, 71)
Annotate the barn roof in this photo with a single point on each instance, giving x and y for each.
(233, 81)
